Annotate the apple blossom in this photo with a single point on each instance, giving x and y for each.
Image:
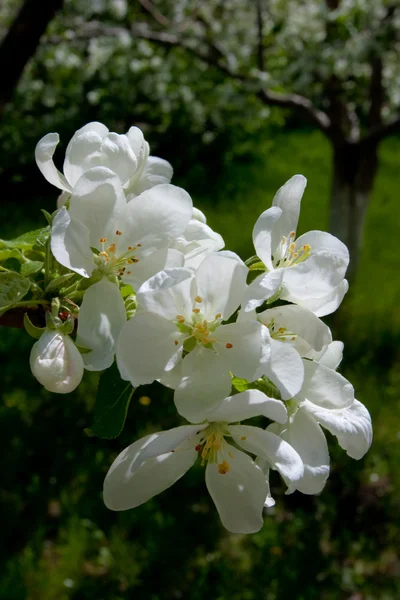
(326, 399)
(235, 482)
(311, 267)
(93, 145)
(181, 326)
(56, 362)
(131, 239)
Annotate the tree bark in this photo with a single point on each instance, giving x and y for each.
(355, 166)
(21, 41)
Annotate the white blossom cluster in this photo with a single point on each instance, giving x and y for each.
(234, 340)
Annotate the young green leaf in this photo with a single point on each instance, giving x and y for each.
(31, 267)
(112, 403)
(27, 240)
(13, 287)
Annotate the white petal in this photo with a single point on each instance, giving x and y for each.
(138, 143)
(316, 277)
(246, 405)
(101, 318)
(263, 464)
(262, 288)
(306, 437)
(70, 243)
(238, 494)
(205, 382)
(331, 356)
(322, 241)
(82, 150)
(288, 199)
(198, 215)
(98, 201)
(240, 345)
(116, 154)
(145, 347)
(279, 454)
(325, 305)
(169, 293)
(197, 241)
(299, 321)
(324, 387)
(44, 159)
(146, 267)
(158, 216)
(221, 283)
(263, 232)
(56, 362)
(352, 427)
(156, 172)
(285, 369)
(148, 467)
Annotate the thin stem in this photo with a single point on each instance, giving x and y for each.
(31, 303)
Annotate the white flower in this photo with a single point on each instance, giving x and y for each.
(131, 238)
(309, 270)
(236, 484)
(56, 362)
(294, 332)
(327, 399)
(181, 311)
(94, 145)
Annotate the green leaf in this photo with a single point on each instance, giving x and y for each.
(32, 329)
(27, 240)
(262, 384)
(42, 239)
(241, 385)
(48, 216)
(13, 287)
(31, 267)
(6, 253)
(112, 403)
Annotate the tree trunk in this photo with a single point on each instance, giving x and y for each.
(21, 41)
(353, 179)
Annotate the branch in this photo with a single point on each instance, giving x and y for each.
(378, 133)
(152, 10)
(299, 103)
(21, 41)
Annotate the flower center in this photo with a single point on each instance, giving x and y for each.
(210, 445)
(117, 261)
(198, 329)
(287, 254)
(280, 333)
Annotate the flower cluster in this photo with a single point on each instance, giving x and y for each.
(150, 286)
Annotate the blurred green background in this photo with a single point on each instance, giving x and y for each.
(231, 152)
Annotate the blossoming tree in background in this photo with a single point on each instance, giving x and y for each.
(129, 280)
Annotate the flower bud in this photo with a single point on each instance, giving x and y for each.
(56, 362)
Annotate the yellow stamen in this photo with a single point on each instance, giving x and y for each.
(198, 299)
(180, 319)
(103, 253)
(228, 345)
(218, 316)
(103, 240)
(196, 310)
(144, 400)
(223, 468)
(243, 437)
(118, 232)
